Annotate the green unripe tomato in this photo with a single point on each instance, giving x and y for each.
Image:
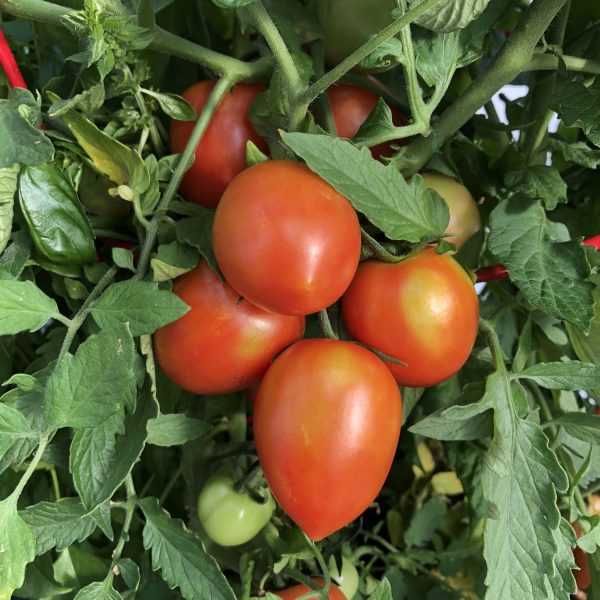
(231, 518)
(347, 580)
(464, 213)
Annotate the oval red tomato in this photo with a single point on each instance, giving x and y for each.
(285, 239)
(299, 590)
(221, 154)
(423, 311)
(223, 342)
(350, 107)
(326, 424)
(464, 213)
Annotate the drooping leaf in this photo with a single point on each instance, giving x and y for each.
(175, 429)
(172, 105)
(539, 182)
(449, 15)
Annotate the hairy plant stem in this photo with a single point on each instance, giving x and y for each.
(209, 109)
(37, 457)
(381, 253)
(511, 60)
(124, 537)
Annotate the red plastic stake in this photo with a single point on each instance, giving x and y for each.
(9, 64)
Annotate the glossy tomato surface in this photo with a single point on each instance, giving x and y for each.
(351, 22)
(423, 311)
(285, 239)
(465, 220)
(231, 518)
(350, 106)
(223, 342)
(299, 590)
(221, 154)
(326, 424)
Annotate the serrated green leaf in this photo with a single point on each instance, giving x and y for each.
(539, 182)
(583, 426)
(15, 256)
(18, 548)
(576, 152)
(449, 15)
(24, 307)
(572, 375)
(425, 521)
(55, 218)
(173, 260)
(94, 385)
(197, 232)
(130, 573)
(379, 122)
(174, 106)
(58, 524)
(139, 303)
(99, 590)
(590, 541)
(548, 268)
(103, 456)
(383, 591)
(437, 56)
(13, 427)
(22, 141)
(175, 429)
(521, 477)
(8, 187)
(181, 556)
(403, 211)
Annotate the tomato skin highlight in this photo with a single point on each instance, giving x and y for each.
(223, 343)
(350, 107)
(465, 220)
(221, 154)
(231, 518)
(422, 311)
(299, 590)
(285, 239)
(326, 425)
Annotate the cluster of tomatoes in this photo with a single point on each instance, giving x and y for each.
(327, 413)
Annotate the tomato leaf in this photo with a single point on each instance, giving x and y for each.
(181, 556)
(173, 260)
(383, 591)
(403, 211)
(8, 187)
(16, 254)
(95, 384)
(22, 141)
(55, 218)
(175, 430)
(576, 152)
(174, 106)
(13, 427)
(18, 548)
(521, 476)
(99, 590)
(449, 15)
(539, 182)
(58, 524)
(24, 307)
(140, 304)
(580, 425)
(425, 521)
(541, 260)
(197, 232)
(571, 375)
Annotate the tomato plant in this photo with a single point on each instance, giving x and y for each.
(464, 214)
(422, 311)
(221, 154)
(224, 342)
(296, 591)
(229, 517)
(345, 578)
(285, 239)
(350, 107)
(308, 388)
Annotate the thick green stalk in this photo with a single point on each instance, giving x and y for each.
(550, 62)
(512, 59)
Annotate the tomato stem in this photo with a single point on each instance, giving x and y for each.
(326, 327)
(377, 250)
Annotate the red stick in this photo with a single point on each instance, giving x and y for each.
(496, 272)
(9, 64)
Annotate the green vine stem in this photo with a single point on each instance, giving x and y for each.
(511, 60)
(201, 124)
(377, 250)
(550, 62)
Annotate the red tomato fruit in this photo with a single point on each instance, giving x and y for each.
(299, 590)
(423, 311)
(350, 106)
(223, 343)
(221, 154)
(285, 239)
(326, 424)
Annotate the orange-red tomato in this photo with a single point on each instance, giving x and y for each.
(422, 311)
(350, 106)
(583, 577)
(221, 154)
(285, 239)
(299, 590)
(223, 342)
(464, 214)
(326, 424)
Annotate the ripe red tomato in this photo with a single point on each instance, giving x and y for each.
(423, 311)
(464, 213)
(285, 239)
(326, 424)
(350, 106)
(222, 344)
(221, 154)
(299, 590)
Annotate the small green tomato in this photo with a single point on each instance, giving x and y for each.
(231, 518)
(347, 580)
